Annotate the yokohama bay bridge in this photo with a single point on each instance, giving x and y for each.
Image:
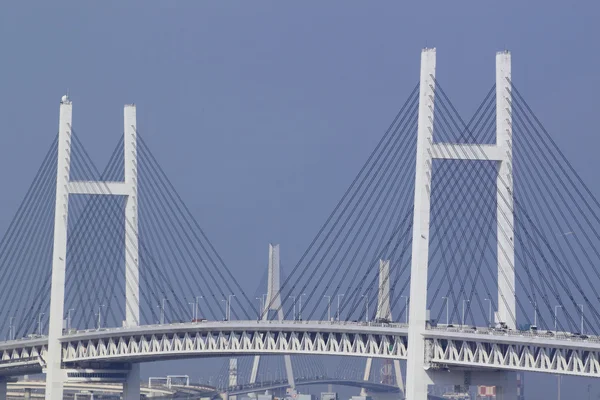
(465, 251)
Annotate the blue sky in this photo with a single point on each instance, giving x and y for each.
(262, 112)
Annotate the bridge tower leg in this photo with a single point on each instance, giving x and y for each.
(233, 375)
(384, 311)
(508, 390)
(417, 378)
(273, 302)
(504, 196)
(131, 387)
(55, 375)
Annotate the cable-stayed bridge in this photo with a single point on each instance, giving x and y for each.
(487, 236)
(253, 374)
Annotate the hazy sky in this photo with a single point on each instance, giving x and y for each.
(262, 112)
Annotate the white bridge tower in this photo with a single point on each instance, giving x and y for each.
(384, 312)
(273, 303)
(418, 375)
(55, 374)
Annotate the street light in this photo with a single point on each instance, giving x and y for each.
(300, 306)
(229, 306)
(534, 304)
(405, 308)
(40, 323)
(193, 304)
(294, 301)
(555, 316)
(260, 306)
(463, 312)
(328, 307)
(11, 329)
(490, 312)
(581, 306)
(447, 314)
(196, 310)
(69, 319)
(366, 296)
(161, 306)
(225, 301)
(100, 316)
(338, 305)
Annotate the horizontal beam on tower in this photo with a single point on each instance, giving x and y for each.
(91, 187)
(453, 151)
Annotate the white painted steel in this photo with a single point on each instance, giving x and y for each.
(221, 339)
(273, 303)
(132, 284)
(453, 151)
(99, 188)
(416, 374)
(504, 193)
(233, 375)
(55, 376)
(383, 294)
(384, 312)
(478, 349)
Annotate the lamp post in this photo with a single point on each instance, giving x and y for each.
(225, 315)
(555, 316)
(11, 329)
(581, 307)
(100, 315)
(294, 306)
(69, 319)
(328, 307)
(162, 311)
(229, 306)
(463, 312)
(260, 306)
(447, 314)
(193, 304)
(338, 305)
(405, 309)
(300, 306)
(196, 310)
(366, 296)
(40, 323)
(534, 304)
(490, 312)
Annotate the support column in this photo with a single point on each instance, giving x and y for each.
(55, 376)
(132, 290)
(232, 375)
(417, 377)
(131, 387)
(384, 311)
(367, 375)
(273, 302)
(504, 196)
(383, 294)
(398, 372)
(3, 389)
(508, 389)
